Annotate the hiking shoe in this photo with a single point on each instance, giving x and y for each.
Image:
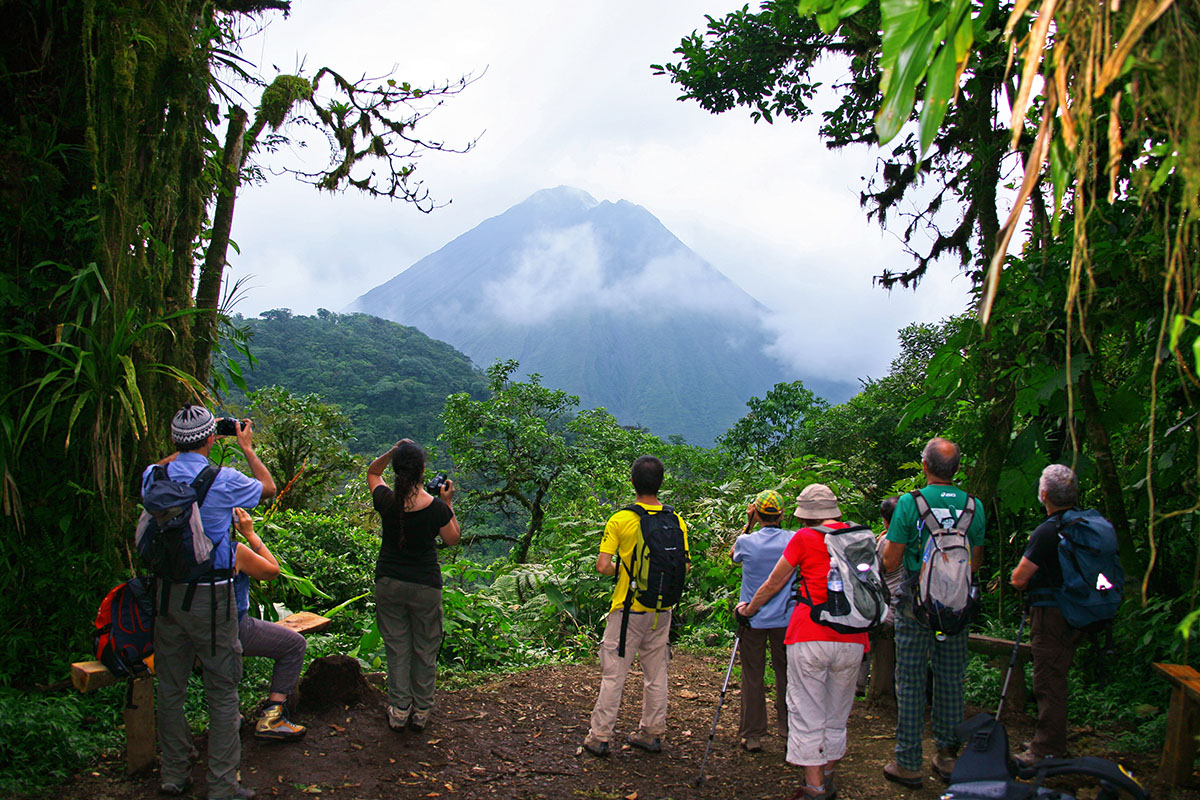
(398, 717)
(943, 763)
(175, 789)
(644, 741)
(241, 793)
(274, 725)
(752, 744)
(905, 777)
(1027, 758)
(830, 787)
(597, 747)
(418, 720)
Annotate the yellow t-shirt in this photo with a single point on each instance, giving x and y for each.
(620, 537)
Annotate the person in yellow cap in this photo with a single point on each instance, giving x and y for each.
(757, 553)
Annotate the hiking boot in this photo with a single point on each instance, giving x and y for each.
(275, 726)
(905, 777)
(597, 747)
(1028, 758)
(644, 741)
(398, 717)
(830, 787)
(943, 763)
(752, 744)
(175, 789)
(418, 720)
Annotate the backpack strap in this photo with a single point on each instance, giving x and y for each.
(806, 597)
(642, 514)
(204, 481)
(967, 516)
(924, 512)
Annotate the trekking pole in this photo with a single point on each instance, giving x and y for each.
(732, 657)
(1012, 663)
(737, 638)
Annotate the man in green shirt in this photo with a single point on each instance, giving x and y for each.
(918, 647)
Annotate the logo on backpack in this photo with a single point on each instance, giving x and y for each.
(1093, 579)
(658, 566)
(857, 598)
(945, 595)
(170, 535)
(124, 636)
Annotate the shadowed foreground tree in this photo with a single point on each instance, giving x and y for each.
(126, 131)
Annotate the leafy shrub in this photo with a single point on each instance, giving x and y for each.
(45, 739)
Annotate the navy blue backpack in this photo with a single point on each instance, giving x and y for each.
(1093, 580)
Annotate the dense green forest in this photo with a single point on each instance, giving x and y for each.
(386, 378)
(131, 128)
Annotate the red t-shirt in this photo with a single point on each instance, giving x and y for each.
(807, 551)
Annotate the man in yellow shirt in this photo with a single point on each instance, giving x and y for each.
(646, 628)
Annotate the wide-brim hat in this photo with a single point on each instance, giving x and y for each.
(817, 501)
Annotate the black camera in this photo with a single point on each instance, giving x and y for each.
(227, 426)
(435, 484)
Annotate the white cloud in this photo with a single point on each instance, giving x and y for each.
(568, 98)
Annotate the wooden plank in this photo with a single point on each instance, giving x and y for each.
(1177, 674)
(306, 622)
(993, 646)
(87, 676)
(140, 734)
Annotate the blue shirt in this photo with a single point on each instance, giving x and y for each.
(758, 553)
(229, 489)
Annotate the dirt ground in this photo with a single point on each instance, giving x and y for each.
(519, 736)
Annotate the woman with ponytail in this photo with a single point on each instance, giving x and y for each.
(408, 579)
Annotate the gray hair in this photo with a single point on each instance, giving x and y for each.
(1060, 486)
(942, 457)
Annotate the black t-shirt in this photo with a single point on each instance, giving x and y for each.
(409, 549)
(1043, 551)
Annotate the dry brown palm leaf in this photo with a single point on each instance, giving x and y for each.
(1033, 60)
(1144, 15)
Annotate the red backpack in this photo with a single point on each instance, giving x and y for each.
(124, 637)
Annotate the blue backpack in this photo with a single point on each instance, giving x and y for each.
(1093, 580)
(170, 535)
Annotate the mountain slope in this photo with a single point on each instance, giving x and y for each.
(602, 301)
(391, 380)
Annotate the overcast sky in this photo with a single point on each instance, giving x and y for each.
(566, 97)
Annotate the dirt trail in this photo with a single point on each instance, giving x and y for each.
(519, 736)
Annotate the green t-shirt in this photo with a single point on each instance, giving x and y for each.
(946, 502)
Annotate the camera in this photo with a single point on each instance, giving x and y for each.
(227, 426)
(435, 484)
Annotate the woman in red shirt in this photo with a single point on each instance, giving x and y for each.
(822, 663)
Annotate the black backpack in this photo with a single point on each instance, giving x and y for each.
(659, 564)
(170, 536)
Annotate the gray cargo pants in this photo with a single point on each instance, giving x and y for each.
(179, 638)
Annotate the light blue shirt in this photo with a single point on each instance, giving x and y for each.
(758, 553)
(229, 489)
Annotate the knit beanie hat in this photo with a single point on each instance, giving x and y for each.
(192, 424)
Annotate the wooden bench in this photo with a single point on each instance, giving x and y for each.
(140, 732)
(1179, 749)
(883, 667)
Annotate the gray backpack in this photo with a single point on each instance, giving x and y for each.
(945, 596)
(863, 601)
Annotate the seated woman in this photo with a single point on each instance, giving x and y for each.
(266, 639)
(408, 579)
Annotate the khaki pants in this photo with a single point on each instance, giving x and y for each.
(180, 637)
(648, 641)
(410, 622)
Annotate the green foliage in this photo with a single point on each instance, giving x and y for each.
(302, 444)
(773, 429)
(388, 379)
(46, 739)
